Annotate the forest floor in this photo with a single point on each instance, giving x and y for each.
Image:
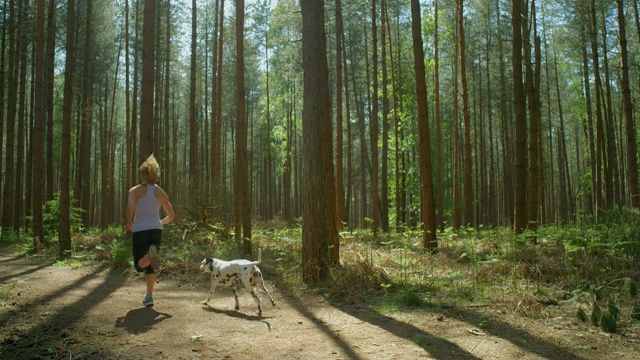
(48, 311)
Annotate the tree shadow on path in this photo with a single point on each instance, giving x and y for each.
(65, 317)
(25, 272)
(518, 337)
(141, 320)
(446, 349)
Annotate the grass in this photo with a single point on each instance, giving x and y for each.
(472, 267)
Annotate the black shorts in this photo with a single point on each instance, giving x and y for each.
(141, 240)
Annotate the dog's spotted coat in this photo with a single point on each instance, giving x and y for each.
(229, 273)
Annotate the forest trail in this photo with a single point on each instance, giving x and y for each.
(49, 311)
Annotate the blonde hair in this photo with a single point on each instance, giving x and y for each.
(150, 170)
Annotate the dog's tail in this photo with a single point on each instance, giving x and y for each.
(259, 256)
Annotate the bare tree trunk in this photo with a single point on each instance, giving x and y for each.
(83, 172)
(49, 88)
(315, 114)
(65, 180)
(348, 201)
(468, 179)
(147, 145)
(599, 116)
(193, 126)
(373, 122)
(533, 94)
(613, 173)
(217, 160)
(520, 203)
(632, 161)
(18, 192)
(3, 44)
(169, 166)
(38, 130)
(590, 131)
(439, 179)
(340, 202)
(428, 213)
(243, 196)
(384, 191)
(455, 221)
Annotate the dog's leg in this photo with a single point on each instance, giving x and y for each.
(235, 294)
(259, 281)
(213, 288)
(249, 285)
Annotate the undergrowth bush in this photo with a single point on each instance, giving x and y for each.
(472, 266)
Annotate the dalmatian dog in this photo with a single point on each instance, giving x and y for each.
(230, 273)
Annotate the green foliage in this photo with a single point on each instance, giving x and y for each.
(120, 254)
(632, 288)
(582, 316)
(608, 322)
(635, 312)
(51, 217)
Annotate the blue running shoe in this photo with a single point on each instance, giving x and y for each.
(148, 300)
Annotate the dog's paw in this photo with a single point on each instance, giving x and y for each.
(205, 302)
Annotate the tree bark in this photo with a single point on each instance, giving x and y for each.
(632, 156)
(38, 130)
(315, 113)
(520, 121)
(426, 181)
(65, 178)
(147, 145)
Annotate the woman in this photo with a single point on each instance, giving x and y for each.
(143, 219)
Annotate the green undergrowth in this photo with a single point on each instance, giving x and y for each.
(592, 267)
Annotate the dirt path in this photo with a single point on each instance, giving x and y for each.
(55, 312)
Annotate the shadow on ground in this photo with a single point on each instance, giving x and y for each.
(443, 349)
(141, 320)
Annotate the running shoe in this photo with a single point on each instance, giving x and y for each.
(148, 300)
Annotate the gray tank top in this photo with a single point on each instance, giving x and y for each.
(147, 215)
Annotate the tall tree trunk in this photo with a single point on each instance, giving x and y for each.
(468, 179)
(7, 199)
(38, 130)
(127, 95)
(193, 126)
(533, 95)
(315, 114)
(520, 121)
(3, 44)
(384, 192)
(217, 160)
(83, 172)
(348, 202)
(632, 161)
(598, 104)
(613, 173)
(590, 129)
(455, 221)
(373, 122)
(169, 166)
(340, 201)
(18, 202)
(243, 196)
(428, 213)
(564, 188)
(436, 70)
(491, 192)
(65, 178)
(506, 212)
(147, 145)
(49, 92)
